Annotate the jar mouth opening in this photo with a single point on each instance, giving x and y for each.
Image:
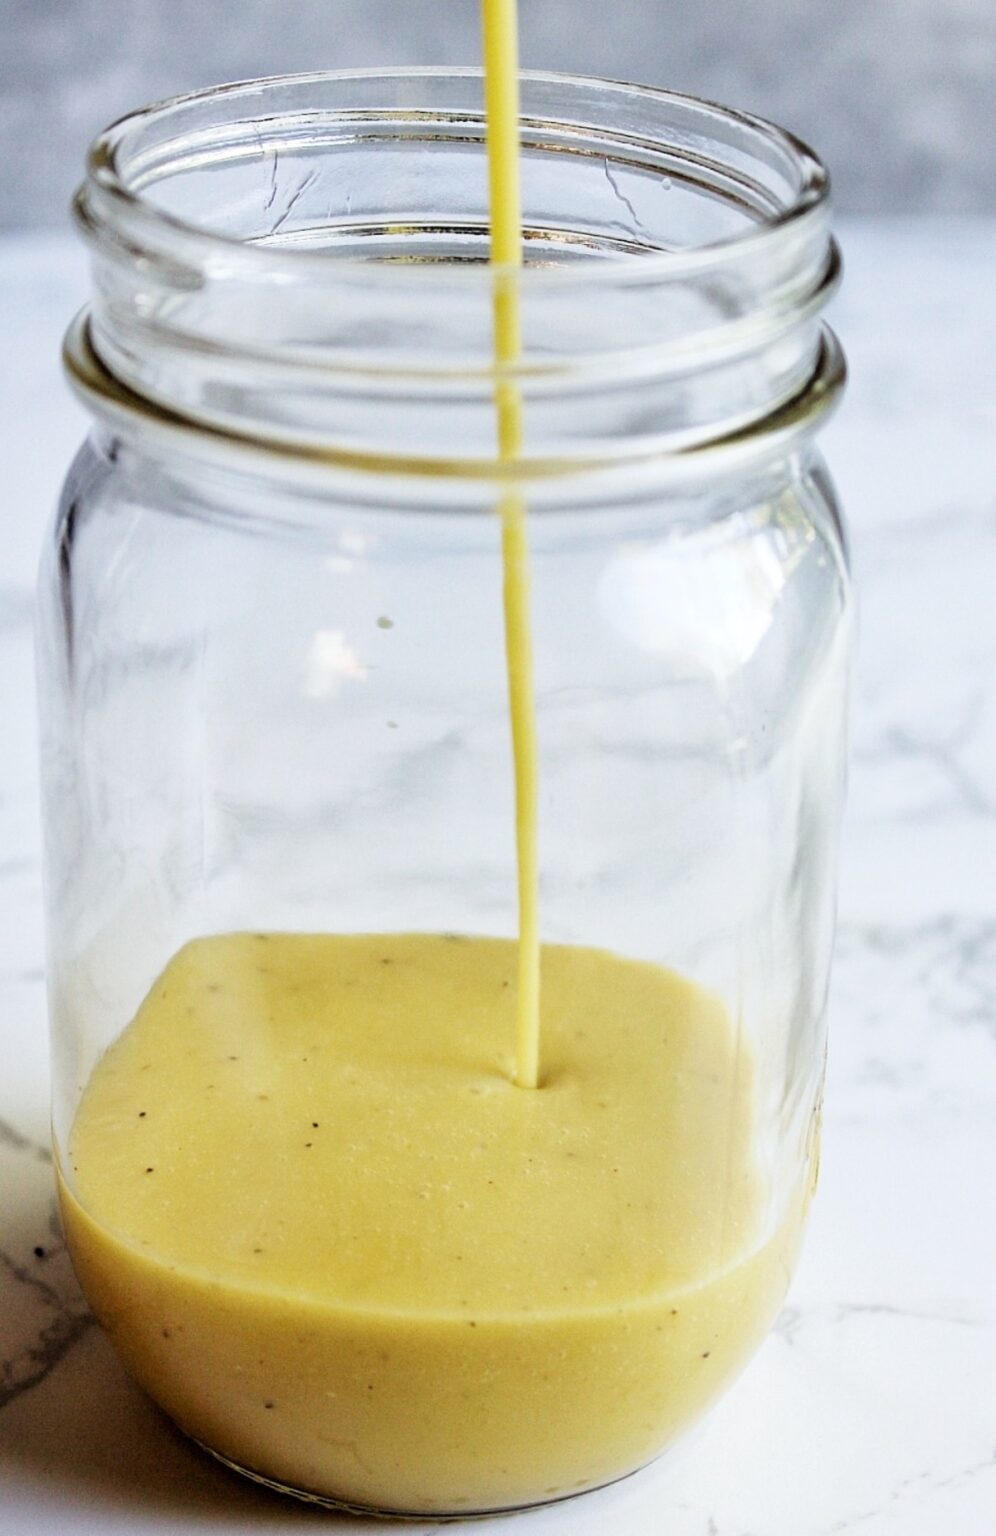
(128, 163)
(306, 259)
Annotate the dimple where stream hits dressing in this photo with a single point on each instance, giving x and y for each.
(335, 1232)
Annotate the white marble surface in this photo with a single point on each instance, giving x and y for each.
(872, 1408)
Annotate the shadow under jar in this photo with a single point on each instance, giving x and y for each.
(321, 1224)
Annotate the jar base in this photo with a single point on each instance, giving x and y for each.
(377, 1512)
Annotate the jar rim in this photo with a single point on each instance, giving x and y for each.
(782, 431)
(305, 259)
(105, 176)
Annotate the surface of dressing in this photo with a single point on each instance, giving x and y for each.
(335, 1241)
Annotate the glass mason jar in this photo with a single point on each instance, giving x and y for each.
(323, 1227)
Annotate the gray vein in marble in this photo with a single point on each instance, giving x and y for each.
(787, 1325)
(968, 1473)
(918, 1482)
(53, 1343)
(12, 1138)
(942, 751)
(954, 961)
(792, 1321)
(850, 1309)
(25, 1276)
(67, 1317)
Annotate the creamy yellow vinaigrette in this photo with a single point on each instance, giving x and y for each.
(335, 1241)
(501, 81)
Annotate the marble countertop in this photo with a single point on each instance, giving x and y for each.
(872, 1407)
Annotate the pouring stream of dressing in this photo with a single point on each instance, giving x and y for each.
(500, 25)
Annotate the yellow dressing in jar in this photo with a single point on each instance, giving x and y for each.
(332, 1238)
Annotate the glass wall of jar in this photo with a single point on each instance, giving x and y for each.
(325, 1230)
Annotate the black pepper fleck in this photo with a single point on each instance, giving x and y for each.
(39, 1253)
(706, 1353)
(150, 1170)
(267, 1405)
(141, 1114)
(314, 1125)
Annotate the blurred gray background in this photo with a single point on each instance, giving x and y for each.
(897, 95)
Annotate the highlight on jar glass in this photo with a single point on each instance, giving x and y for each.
(443, 675)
